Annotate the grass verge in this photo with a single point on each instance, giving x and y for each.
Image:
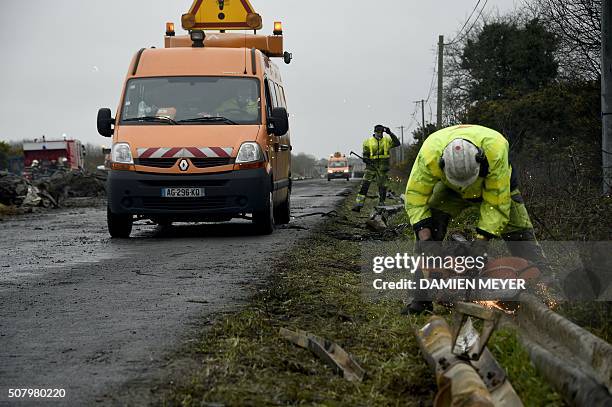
(316, 288)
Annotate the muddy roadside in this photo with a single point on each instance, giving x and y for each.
(240, 358)
(88, 313)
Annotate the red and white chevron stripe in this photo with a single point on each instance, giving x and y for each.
(184, 152)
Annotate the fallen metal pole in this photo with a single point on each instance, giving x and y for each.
(329, 352)
(580, 368)
(458, 382)
(594, 351)
(574, 385)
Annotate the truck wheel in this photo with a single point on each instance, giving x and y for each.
(328, 179)
(264, 220)
(282, 214)
(119, 226)
(164, 223)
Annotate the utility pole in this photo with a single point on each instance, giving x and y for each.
(422, 102)
(606, 94)
(423, 114)
(440, 79)
(402, 127)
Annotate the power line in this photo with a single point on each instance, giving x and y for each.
(461, 37)
(465, 24)
(433, 78)
(413, 118)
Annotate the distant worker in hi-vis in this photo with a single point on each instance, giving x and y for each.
(460, 167)
(376, 156)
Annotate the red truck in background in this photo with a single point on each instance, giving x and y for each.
(46, 157)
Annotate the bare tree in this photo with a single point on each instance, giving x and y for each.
(577, 23)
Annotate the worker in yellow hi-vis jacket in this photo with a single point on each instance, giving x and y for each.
(376, 155)
(462, 166)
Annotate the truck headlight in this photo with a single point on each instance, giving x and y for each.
(122, 154)
(249, 152)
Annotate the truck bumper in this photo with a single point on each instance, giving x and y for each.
(226, 195)
(338, 175)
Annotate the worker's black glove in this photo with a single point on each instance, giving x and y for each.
(388, 131)
(368, 161)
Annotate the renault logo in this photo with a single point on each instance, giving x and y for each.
(183, 165)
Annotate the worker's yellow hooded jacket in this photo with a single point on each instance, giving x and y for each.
(494, 189)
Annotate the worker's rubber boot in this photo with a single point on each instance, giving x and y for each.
(419, 303)
(382, 195)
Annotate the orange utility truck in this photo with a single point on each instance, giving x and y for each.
(202, 131)
(338, 167)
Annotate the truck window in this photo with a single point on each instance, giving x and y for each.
(273, 94)
(279, 97)
(282, 94)
(192, 98)
(268, 99)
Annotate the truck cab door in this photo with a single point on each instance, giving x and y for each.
(272, 153)
(274, 148)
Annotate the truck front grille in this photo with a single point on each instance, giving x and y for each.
(211, 162)
(197, 162)
(156, 162)
(185, 204)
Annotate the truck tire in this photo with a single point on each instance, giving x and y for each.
(282, 214)
(119, 226)
(164, 223)
(264, 220)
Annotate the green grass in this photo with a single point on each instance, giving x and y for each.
(527, 382)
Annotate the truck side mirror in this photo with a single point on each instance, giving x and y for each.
(280, 120)
(105, 122)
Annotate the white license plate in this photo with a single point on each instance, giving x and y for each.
(182, 192)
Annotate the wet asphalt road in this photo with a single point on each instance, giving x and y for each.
(84, 313)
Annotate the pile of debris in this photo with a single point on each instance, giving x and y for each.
(75, 184)
(19, 193)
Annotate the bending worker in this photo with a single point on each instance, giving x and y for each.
(463, 166)
(376, 156)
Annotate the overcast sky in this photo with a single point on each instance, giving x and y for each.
(356, 62)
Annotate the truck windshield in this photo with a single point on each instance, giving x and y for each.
(192, 100)
(338, 164)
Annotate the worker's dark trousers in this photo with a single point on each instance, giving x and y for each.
(378, 171)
